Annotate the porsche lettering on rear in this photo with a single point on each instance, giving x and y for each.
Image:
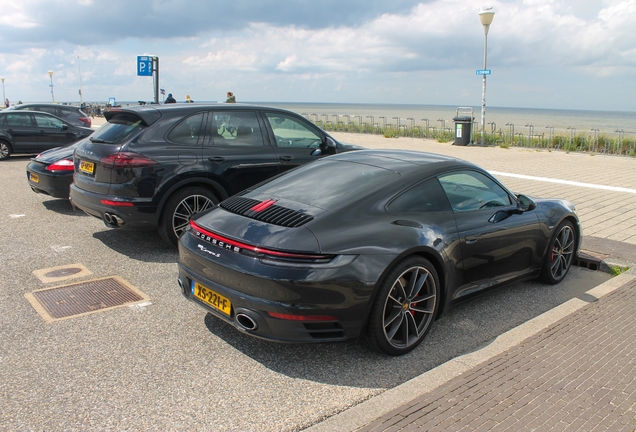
(217, 242)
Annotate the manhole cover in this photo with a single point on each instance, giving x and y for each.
(63, 272)
(83, 298)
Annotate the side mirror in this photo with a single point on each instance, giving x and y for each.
(64, 127)
(330, 146)
(525, 203)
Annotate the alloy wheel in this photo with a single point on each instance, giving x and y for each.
(409, 307)
(562, 252)
(187, 208)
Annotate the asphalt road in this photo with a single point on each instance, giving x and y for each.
(169, 366)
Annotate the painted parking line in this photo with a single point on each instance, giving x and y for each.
(565, 182)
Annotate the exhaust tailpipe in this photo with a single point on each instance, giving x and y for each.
(117, 220)
(246, 322)
(112, 220)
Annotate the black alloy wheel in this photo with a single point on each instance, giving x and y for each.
(560, 253)
(404, 308)
(5, 150)
(180, 208)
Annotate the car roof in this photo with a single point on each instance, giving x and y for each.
(45, 105)
(153, 112)
(398, 160)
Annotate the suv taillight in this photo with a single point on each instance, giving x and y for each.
(126, 160)
(86, 120)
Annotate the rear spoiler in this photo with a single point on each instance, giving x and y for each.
(148, 115)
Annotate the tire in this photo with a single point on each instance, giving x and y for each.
(180, 208)
(5, 150)
(402, 313)
(559, 255)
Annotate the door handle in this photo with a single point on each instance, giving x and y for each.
(285, 158)
(470, 240)
(217, 159)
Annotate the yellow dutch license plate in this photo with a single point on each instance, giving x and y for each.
(87, 167)
(34, 178)
(214, 299)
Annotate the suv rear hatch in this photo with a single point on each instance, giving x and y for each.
(97, 159)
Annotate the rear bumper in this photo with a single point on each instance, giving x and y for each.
(142, 214)
(55, 184)
(311, 305)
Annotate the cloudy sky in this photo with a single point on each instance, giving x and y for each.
(569, 54)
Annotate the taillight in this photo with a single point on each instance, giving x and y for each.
(126, 160)
(117, 203)
(256, 251)
(86, 120)
(61, 165)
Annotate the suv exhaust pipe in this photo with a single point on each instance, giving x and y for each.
(113, 220)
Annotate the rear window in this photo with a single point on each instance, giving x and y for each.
(328, 184)
(119, 129)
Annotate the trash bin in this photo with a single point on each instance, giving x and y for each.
(463, 127)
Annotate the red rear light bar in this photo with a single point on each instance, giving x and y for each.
(255, 249)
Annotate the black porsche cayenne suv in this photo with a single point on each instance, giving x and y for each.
(156, 166)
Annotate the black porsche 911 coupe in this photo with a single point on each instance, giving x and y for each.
(372, 244)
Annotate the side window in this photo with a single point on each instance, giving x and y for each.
(46, 109)
(187, 131)
(235, 128)
(19, 120)
(470, 190)
(45, 121)
(65, 112)
(426, 197)
(290, 132)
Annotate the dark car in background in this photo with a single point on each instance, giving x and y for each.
(29, 132)
(370, 244)
(51, 172)
(69, 113)
(156, 166)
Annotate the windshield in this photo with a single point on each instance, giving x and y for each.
(118, 130)
(328, 184)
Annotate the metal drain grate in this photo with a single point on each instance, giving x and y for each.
(84, 298)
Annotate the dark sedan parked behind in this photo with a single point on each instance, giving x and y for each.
(51, 172)
(33, 132)
(156, 166)
(71, 114)
(370, 244)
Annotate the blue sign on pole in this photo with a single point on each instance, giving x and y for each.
(144, 66)
(483, 71)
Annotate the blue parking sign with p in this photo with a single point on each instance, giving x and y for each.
(144, 66)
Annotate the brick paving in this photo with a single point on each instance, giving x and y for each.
(578, 374)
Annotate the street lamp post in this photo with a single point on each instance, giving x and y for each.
(4, 97)
(52, 95)
(486, 16)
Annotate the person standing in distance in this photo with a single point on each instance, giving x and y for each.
(188, 100)
(230, 98)
(170, 99)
